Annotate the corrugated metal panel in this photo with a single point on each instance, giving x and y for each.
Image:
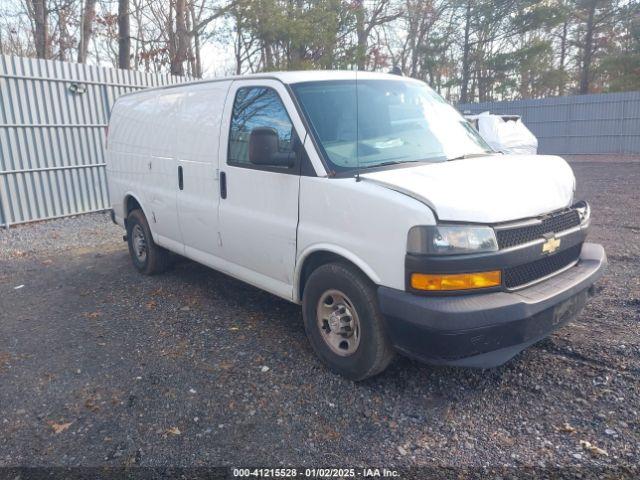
(52, 137)
(581, 124)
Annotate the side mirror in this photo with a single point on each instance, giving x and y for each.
(264, 149)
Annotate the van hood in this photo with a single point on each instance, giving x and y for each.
(491, 189)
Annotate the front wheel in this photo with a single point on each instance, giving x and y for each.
(343, 322)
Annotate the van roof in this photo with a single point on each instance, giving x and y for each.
(323, 75)
(292, 77)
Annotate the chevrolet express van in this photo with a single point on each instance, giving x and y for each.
(366, 199)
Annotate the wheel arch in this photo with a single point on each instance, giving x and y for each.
(319, 255)
(130, 203)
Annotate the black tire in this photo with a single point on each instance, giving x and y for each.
(374, 351)
(156, 259)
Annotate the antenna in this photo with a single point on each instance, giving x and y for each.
(357, 130)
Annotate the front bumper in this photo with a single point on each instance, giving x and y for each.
(487, 329)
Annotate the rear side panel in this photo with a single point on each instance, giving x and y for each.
(141, 160)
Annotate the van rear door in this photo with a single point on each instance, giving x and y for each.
(260, 180)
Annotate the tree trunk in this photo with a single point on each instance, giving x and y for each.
(41, 33)
(63, 32)
(297, 47)
(268, 55)
(196, 44)
(361, 32)
(238, 47)
(563, 58)
(466, 53)
(177, 61)
(171, 33)
(414, 44)
(191, 58)
(124, 36)
(587, 53)
(88, 16)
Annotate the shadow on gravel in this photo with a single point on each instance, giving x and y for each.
(288, 321)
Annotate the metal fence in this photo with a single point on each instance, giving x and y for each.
(607, 123)
(53, 117)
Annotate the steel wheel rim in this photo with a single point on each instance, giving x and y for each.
(338, 323)
(139, 243)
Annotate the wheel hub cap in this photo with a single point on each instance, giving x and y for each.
(139, 243)
(338, 323)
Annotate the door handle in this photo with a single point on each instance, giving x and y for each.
(180, 178)
(223, 185)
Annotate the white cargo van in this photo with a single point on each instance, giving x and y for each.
(366, 199)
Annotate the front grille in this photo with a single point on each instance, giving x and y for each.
(553, 223)
(530, 272)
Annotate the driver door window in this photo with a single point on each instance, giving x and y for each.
(258, 110)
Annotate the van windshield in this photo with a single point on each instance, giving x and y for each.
(392, 122)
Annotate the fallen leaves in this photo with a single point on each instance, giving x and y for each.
(225, 365)
(5, 357)
(589, 447)
(59, 427)
(173, 431)
(91, 404)
(566, 428)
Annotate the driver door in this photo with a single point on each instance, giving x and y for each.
(258, 212)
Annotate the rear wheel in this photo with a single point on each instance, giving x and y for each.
(343, 322)
(147, 257)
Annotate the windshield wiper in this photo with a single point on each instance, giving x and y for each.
(469, 155)
(384, 164)
(390, 162)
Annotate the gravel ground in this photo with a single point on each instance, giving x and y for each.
(100, 366)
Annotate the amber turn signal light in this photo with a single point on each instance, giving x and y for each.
(456, 281)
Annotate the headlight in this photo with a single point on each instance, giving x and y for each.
(451, 239)
(584, 210)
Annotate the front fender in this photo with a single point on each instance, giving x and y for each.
(336, 250)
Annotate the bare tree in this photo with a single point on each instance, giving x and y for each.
(466, 54)
(380, 13)
(39, 12)
(86, 29)
(181, 39)
(194, 16)
(64, 14)
(124, 35)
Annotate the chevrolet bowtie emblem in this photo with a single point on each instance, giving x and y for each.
(551, 245)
